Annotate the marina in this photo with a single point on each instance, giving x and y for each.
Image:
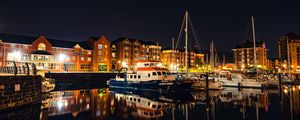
(229, 103)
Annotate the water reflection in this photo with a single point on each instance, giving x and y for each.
(229, 103)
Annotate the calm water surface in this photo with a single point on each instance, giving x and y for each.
(102, 104)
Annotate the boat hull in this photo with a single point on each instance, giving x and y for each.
(243, 84)
(153, 85)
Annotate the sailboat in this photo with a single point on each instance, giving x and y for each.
(238, 79)
(199, 84)
(214, 59)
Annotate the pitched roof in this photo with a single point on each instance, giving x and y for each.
(9, 38)
(85, 45)
(130, 39)
(96, 38)
(21, 39)
(62, 43)
(151, 43)
(249, 44)
(292, 35)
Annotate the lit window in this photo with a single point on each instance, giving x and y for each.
(89, 59)
(41, 46)
(99, 46)
(105, 46)
(82, 58)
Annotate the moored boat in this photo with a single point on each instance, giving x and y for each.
(148, 76)
(229, 79)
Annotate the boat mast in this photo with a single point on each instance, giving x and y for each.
(172, 63)
(212, 55)
(254, 41)
(186, 42)
(288, 55)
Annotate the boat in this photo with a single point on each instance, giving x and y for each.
(48, 85)
(148, 76)
(201, 85)
(143, 107)
(229, 79)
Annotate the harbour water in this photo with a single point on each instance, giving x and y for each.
(98, 102)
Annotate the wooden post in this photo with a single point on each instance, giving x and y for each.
(206, 80)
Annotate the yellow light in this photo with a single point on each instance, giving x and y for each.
(293, 88)
(285, 91)
(17, 55)
(284, 65)
(124, 64)
(61, 57)
(299, 87)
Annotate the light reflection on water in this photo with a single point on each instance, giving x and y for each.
(229, 103)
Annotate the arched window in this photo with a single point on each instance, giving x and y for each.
(41, 46)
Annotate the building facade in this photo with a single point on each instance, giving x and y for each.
(290, 43)
(175, 59)
(244, 55)
(50, 54)
(128, 51)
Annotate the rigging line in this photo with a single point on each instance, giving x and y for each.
(218, 60)
(247, 31)
(195, 35)
(182, 25)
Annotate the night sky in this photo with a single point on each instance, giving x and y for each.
(226, 22)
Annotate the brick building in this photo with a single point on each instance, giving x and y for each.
(127, 51)
(52, 54)
(244, 55)
(175, 59)
(292, 40)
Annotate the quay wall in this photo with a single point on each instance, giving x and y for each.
(80, 78)
(18, 91)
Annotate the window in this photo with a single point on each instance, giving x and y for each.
(89, 59)
(139, 76)
(105, 46)
(82, 58)
(99, 46)
(153, 106)
(41, 46)
(148, 74)
(89, 52)
(153, 73)
(159, 73)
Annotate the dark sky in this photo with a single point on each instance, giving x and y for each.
(226, 22)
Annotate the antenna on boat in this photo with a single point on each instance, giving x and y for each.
(254, 41)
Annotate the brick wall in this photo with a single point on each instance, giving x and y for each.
(16, 91)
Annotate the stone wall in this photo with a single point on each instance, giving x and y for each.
(16, 91)
(79, 78)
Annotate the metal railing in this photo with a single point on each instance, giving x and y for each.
(18, 68)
